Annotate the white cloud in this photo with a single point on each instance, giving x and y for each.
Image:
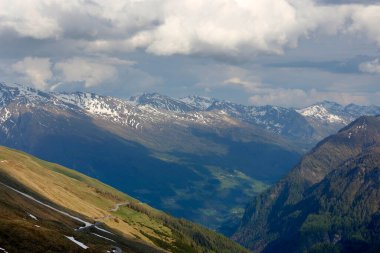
(372, 67)
(228, 27)
(237, 28)
(246, 85)
(221, 27)
(28, 18)
(35, 70)
(366, 20)
(89, 71)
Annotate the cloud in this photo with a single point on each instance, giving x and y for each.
(227, 27)
(89, 71)
(29, 18)
(367, 20)
(242, 29)
(35, 70)
(301, 98)
(246, 85)
(43, 74)
(372, 67)
(230, 28)
(348, 1)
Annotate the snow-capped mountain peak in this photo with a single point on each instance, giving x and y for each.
(152, 110)
(199, 102)
(159, 101)
(322, 113)
(24, 95)
(334, 113)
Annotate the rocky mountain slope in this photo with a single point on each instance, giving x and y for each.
(328, 203)
(201, 165)
(327, 117)
(45, 207)
(304, 126)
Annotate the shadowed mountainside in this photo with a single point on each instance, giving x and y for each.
(328, 203)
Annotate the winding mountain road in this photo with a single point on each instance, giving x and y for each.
(117, 206)
(87, 225)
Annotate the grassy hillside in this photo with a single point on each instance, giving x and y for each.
(135, 226)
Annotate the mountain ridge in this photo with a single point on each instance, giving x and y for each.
(321, 119)
(318, 120)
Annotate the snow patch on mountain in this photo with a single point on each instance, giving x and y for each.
(80, 244)
(319, 112)
(201, 103)
(140, 112)
(3, 250)
(113, 109)
(333, 113)
(162, 102)
(5, 114)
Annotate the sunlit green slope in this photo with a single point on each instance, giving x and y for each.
(42, 205)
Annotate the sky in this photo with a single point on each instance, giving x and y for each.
(290, 53)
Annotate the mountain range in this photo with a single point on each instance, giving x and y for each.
(304, 126)
(198, 158)
(328, 203)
